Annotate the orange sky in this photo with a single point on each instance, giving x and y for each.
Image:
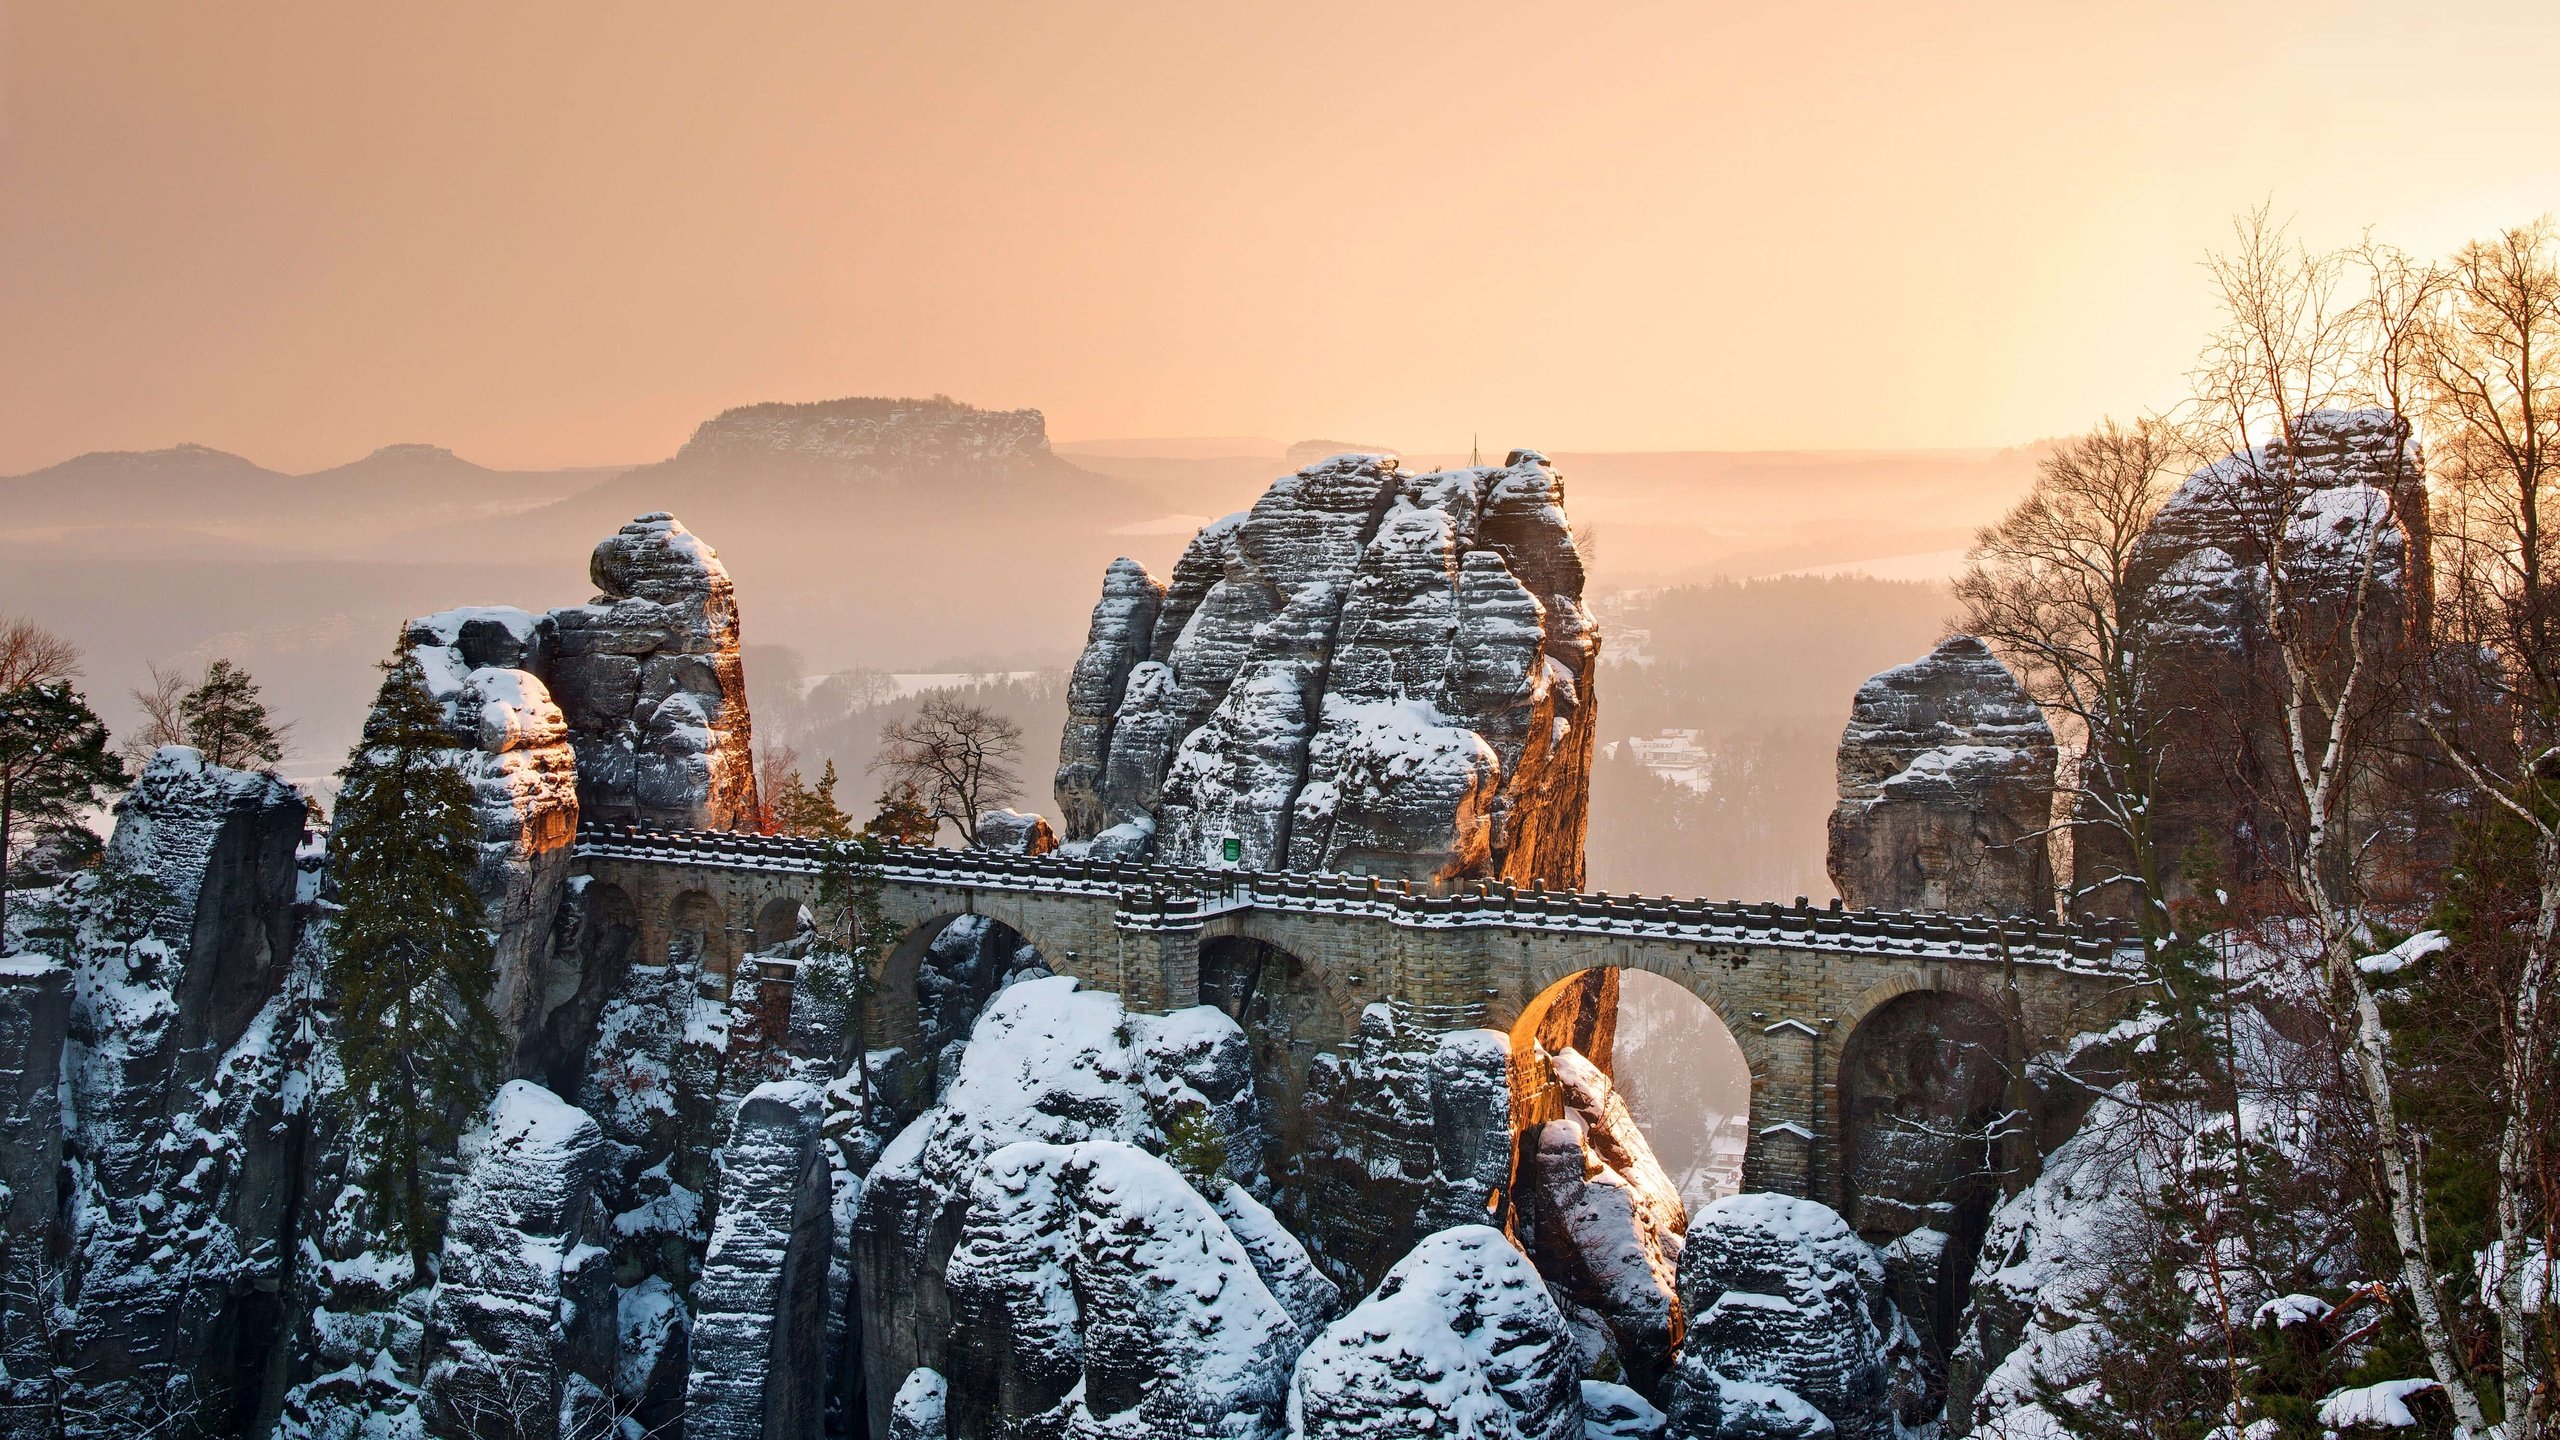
(563, 233)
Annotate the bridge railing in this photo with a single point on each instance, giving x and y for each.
(1165, 892)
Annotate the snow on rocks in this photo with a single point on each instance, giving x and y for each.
(1603, 1220)
(917, 1412)
(1611, 1411)
(758, 1353)
(633, 706)
(2385, 1405)
(175, 1073)
(2405, 954)
(1016, 832)
(1369, 669)
(526, 1306)
(1124, 621)
(1047, 1062)
(1460, 1340)
(1094, 1292)
(2351, 489)
(1789, 1325)
(484, 666)
(1404, 1132)
(1946, 780)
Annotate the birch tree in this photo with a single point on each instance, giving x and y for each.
(2491, 363)
(2304, 331)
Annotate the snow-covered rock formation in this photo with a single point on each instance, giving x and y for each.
(649, 678)
(1946, 789)
(1051, 1063)
(1790, 1333)
(2347, 502)
(521, 1339)
(1405, 1132)
(484, 666)
(633, 706)
(1460, 1339)
(1093, 1291)
(758, 1352)
(1016, 831)
(1604, 1222)
(1368, 670)
(175, 1090)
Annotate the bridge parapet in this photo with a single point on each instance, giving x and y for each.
(1157, 896)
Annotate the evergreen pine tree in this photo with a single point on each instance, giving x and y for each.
(54, 764)
(855, 943)
(226, 720)
(812, 811)
(902, 816)
(410, 958)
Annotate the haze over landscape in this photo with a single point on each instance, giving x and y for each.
(1773, 335)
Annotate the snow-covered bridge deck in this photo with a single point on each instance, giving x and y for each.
(1792, 982)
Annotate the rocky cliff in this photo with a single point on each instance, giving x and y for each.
(1946, 789)
(648, 677)
(2346, 503)
(145, 1263)
(1368, 671)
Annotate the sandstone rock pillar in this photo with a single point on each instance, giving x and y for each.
(1946, 789)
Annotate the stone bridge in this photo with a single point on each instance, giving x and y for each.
(1798, 986)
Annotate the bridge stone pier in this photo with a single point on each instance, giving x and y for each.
(1800, 987)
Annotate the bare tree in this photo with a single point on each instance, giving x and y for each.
(958, 756)
(2492, 367)
(33, 655)
(2053, 589)
(2297, 337)
(777, 767)
(163, 721)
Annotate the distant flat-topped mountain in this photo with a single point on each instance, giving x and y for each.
(882, 433)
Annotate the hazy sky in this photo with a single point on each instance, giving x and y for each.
(564, 233)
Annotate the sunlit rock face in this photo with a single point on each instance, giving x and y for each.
(484, 665)
(2347, 501)
(1369, 670)
(1604, 1222)
(1946, 789)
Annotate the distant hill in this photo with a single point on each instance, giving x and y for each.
(195, 488)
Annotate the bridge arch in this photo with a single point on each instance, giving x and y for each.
(1682, 968)
(922, 1024)
(1661, 1043)
(1927, 1083)
(779, 921)
(697, 930)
